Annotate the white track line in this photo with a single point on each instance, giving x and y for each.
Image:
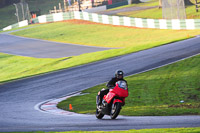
(50, 106)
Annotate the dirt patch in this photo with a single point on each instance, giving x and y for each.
(85, 22)
(184, 106)
(194, 97)
(75, 21)
(198, 89)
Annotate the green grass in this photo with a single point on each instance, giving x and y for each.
(156, 13)
(154, 93)
(162, 130)
(15, 67)
(79, 32)
(7, 14)
(12, 67)
(20, 28)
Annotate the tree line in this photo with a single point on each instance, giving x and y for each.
(4, 3)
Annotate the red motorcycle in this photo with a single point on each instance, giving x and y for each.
(113, 101)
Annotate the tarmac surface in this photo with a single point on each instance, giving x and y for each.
(19, 98)
(126, 9)
(22, 46)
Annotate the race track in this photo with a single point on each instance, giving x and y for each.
(40, 48)
(18, 98)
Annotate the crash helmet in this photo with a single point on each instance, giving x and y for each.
(119, 74)
(121, 84)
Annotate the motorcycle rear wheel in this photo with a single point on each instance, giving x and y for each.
(99, 115)
(115, 110)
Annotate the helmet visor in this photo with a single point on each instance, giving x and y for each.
(120, 76)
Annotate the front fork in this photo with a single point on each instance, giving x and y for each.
(97, 100)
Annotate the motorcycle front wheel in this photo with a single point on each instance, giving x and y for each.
(99, 115)
(115, 110)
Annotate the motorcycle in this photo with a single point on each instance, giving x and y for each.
(113, 101)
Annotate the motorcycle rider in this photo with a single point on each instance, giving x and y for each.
(119, 75)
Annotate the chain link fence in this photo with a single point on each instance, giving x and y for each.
(173, 9)
(22, 11)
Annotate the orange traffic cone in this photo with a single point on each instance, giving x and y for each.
(70, 107)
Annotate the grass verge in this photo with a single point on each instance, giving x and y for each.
(86, 33)
(156, 13)
(154, 93)
(94, 34)
(162, 130)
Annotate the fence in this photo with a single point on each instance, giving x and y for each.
(177, 24)
(173, 9)
(22, 11)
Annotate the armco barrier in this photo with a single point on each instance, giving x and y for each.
(176, 24)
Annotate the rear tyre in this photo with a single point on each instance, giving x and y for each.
(99, 115)
(115, 110)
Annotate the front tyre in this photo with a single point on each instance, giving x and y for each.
(115, 110)
(99, 115)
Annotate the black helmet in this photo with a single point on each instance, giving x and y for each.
(119, 74)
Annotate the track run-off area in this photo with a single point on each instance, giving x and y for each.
(19, 98)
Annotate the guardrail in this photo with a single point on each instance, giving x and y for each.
(188, 24)
(20, 24)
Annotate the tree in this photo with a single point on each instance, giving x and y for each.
(160, 4)
(2, 3)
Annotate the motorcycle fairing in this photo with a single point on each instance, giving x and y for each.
(117, 100)
(109, 97)
(120, 92)
(117, 91)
